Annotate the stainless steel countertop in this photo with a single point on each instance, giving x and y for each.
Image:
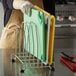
(8, 69)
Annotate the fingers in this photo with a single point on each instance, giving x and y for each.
(28, 10)
(26, 7)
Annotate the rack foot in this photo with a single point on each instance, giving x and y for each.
(13, 60)
(52, 69)
(22, 71)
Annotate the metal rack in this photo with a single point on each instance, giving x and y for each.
(28, 61)
(30, 65)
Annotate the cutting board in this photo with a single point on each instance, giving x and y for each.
(71, 65)
(34, 39)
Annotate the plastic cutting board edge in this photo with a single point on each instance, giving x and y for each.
(47, 30)
(34, 40)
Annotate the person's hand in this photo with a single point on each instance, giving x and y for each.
(26, 7)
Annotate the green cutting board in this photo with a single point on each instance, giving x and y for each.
(34, 39)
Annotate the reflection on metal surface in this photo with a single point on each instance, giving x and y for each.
(30, 65)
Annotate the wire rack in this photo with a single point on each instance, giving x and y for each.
(30, 65)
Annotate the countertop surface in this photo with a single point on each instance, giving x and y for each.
(7, 68)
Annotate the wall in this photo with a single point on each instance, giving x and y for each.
(37, 2)
(1, 18)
